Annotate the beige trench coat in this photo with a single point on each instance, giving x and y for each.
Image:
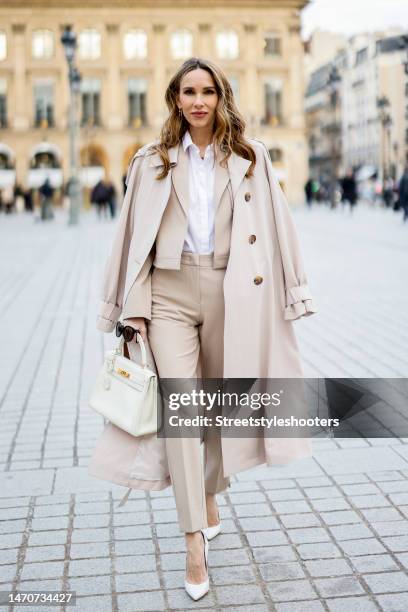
(259, 340)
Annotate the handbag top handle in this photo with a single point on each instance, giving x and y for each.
(121, 348)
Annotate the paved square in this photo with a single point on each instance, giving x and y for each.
(326, 534)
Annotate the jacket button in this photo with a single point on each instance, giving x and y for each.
(258, 280)
(252, 239)
(247, 196)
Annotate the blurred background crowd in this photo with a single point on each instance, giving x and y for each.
(82, 89)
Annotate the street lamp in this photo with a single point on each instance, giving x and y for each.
(69, 42)
(383, 104)
(404, 45)
(333, 82)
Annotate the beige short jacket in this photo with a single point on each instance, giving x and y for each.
(265, 290)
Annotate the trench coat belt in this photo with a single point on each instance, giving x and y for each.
(125, 498)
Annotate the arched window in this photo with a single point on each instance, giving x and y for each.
(227, 44)
(89, 44)
(3, 46)
(181, 44)
(42, 44)
(135, 44)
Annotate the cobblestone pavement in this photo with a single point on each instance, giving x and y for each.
(328, 533)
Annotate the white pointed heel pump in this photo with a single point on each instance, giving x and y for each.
(211, 532)
(196, 591)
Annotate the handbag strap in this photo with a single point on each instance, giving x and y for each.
(123, 349)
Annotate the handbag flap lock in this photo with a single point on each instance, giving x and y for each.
(123, 372)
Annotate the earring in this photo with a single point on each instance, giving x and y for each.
(180, 112)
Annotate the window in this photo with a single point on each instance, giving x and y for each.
(181, 43)
(234, 82)
(135, 44)
(3, 46)
(90, 94)
(273, 102)
(89, 44)
(137, 101)
(43, 103)
(226, 43)
(361, 56)
(3, 103)
(42, 44)
(276, 155)
(272, 44)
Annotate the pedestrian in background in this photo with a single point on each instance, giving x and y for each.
(8, 199)
(100, 197)
(28, 199)
(19, 197)
(403, 193)
(111, 195)
(349, 189)
(309, 192)
(46, 193)
(388, 192)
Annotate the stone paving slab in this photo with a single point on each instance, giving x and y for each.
(327, 533)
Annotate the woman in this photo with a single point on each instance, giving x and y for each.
(206, 265)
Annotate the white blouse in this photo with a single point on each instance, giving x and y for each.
(201, 213)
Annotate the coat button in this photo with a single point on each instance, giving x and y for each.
(247, 196)
(258, 280)
(252, 239)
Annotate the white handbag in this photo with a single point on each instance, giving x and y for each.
(125, 392)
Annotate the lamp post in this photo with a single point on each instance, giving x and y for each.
(333, 81)
(405, 46)
(69, 42)
(383, 104)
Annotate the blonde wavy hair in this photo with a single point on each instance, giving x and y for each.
(229, 125)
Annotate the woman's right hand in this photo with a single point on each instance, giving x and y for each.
(138, 323)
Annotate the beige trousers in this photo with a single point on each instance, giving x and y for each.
(186, 335)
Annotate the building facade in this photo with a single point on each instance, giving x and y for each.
(376, 104)
(126, 56)
(323, 108)
(372, 111)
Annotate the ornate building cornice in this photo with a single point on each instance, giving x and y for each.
(137, 4)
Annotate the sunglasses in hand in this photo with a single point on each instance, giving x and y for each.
(126, 331)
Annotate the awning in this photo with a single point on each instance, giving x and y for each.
(37, 176)
(90, 175)
(7, 177)
(365, 172)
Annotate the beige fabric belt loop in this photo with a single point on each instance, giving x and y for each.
(197, 259)
(125, 498)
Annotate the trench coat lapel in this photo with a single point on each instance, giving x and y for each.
(221, 178)
(237, 167)
(180, 177)
(235, 171)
